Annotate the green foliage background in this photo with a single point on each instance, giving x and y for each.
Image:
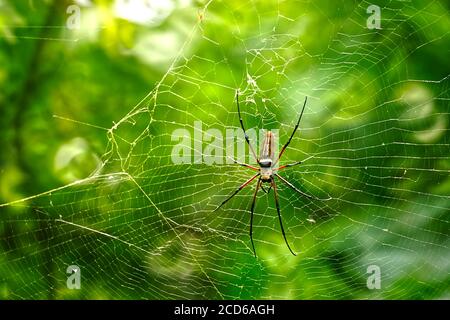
(106, 98)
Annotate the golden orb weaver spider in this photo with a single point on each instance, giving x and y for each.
(267, 171)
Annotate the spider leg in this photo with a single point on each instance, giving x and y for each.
(279, 214)
(237, 190)
(251, 215)
(288, 165)
(243, 129)
(263, 189)
(244, 164)
(270, 187)
(266, 191)
(292, 135)
(290, 185)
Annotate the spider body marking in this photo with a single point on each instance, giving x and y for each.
(266, 158)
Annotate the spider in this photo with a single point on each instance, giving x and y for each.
(267, 171)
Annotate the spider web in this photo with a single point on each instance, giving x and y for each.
(374, 137)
